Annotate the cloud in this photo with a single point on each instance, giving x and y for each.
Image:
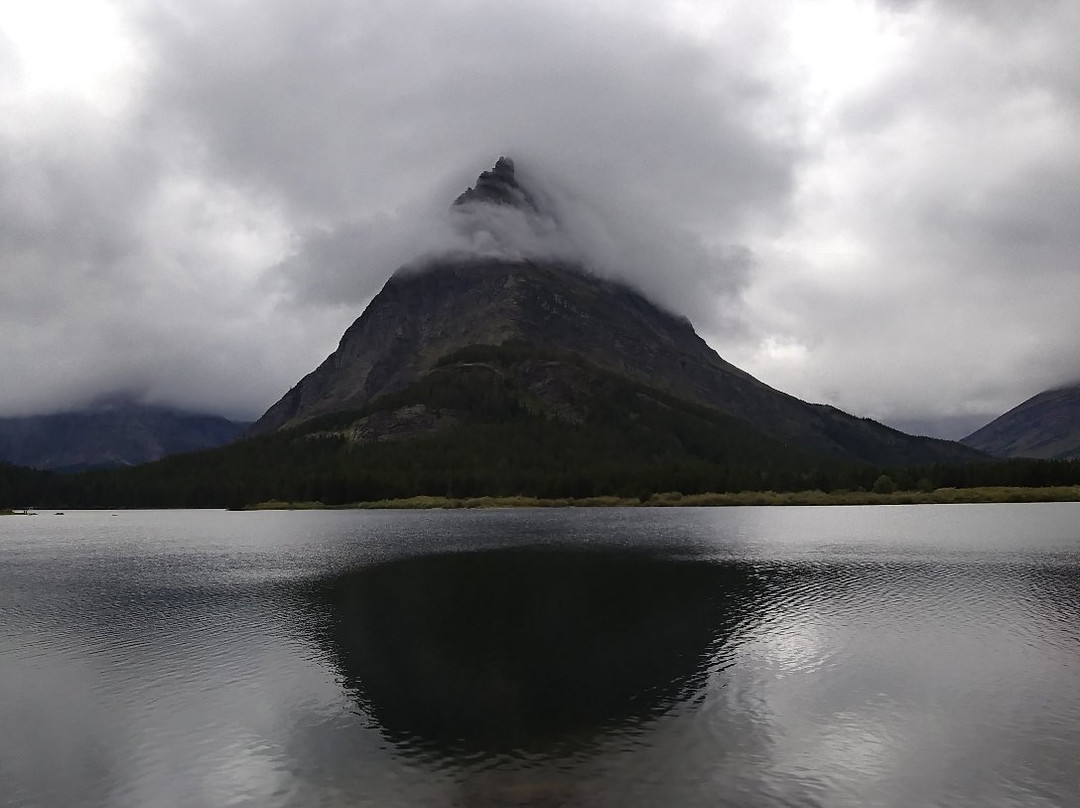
(870, 204)
(361, 128)
(931, 267)
(352, 108)
(124, 273)
(672, 266)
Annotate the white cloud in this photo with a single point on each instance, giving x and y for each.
(870, 204)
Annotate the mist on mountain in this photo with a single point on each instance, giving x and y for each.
(564, 221)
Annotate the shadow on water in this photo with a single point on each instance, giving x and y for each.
(527, 649)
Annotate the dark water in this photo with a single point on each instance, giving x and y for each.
(900, 656)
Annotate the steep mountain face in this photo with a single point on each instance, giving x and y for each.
(423, 315)
(121, 435)
(498, 187)
(1046, 426)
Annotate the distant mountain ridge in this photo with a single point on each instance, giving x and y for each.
(425, 314)
(1046, 426)
(113, 436)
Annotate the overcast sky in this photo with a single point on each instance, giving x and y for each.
(869, 204)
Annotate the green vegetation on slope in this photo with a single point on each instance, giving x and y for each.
(493, 425)
(510, 421)
(21, 487)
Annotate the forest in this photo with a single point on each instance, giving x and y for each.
(505, 422)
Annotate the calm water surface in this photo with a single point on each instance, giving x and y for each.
(889, 656)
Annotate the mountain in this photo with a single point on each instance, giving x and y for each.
(1046, 426)
(116, 435)
(581, 329)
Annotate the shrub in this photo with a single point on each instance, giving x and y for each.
(884, 485)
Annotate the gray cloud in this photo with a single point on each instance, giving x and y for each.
(932, 271)
(672, 266)
(871, 204)
(352, 108)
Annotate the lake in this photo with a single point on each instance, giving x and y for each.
(858, 656)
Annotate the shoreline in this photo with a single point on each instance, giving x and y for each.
(940, 496)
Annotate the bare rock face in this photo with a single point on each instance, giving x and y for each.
(498, 187)
(424, 314)
(418, 317)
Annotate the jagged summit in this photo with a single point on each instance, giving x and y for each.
(499, 186)
(516, 293)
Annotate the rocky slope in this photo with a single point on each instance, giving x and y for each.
(424, 314)
(1046, 426)
(120, 435)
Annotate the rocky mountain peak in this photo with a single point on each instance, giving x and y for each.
(499, 186)
(522, 284)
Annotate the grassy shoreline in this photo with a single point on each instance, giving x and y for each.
(941, 496)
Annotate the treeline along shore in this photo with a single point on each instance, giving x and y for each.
(322, 471)
(675, 499)
(475, 433)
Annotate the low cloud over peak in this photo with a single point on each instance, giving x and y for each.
(867, 204)
(520, 211)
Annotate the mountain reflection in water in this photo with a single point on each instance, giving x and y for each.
(608, 659)
(518, 649)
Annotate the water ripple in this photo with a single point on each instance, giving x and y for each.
(744, 657)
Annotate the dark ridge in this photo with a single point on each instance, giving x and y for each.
(110, 435)
(1046, 426)
(498, 187)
